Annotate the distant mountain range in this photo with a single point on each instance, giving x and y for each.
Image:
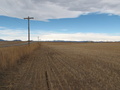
(81, 41)
(2, 40)
(12, 40)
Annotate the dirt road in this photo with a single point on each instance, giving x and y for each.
(61, 66)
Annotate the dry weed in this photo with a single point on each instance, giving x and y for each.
(9, 56)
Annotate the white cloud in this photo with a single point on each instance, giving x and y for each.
(80, 37)
(39, 10)
(9, 34)
(2, 27)
(55, 9)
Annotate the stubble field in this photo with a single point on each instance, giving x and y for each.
(67, 66)
(6, 43)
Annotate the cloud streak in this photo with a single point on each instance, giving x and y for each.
(10, 34)
(56, 9)
(80, 37)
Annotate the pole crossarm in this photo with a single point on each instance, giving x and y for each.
(28, 18)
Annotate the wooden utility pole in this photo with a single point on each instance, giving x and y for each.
(28, 18)
(38, 38)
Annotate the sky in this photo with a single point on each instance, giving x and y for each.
(72, 20)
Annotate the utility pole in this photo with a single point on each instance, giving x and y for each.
(28, 18)
(38, 38)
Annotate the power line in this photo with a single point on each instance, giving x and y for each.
(8, 14)
(3, 10)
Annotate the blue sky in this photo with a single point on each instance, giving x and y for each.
(91, 23)
(67, 24)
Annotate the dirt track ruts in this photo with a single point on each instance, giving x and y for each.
(63, 67)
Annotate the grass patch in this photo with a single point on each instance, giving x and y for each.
(9, 56)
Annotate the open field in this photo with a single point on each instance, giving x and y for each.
(3, 43)
(12, 43)
(66, 66)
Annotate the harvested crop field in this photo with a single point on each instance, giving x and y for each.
(66, 66)
(10, 43)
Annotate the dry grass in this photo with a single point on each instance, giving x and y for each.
(3, 43)
(9, 56)
(67, 66)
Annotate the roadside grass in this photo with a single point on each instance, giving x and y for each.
(3, 43)
(10, 56)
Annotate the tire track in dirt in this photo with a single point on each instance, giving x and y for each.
(96, 73)
(98, 65)
(69, 71)
(50, 68)
(32, 76)
(54, 72)
(57, 66)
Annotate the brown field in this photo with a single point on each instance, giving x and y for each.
(3, 43)
(66, 66)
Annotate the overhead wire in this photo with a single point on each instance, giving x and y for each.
(6, 12)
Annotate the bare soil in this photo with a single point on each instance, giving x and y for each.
(66, 66)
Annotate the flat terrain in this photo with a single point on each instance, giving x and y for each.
(10, 43)
(67, 66)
